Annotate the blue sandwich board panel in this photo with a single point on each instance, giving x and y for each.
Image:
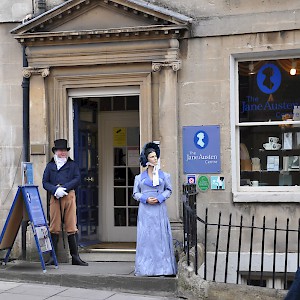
(27, 206)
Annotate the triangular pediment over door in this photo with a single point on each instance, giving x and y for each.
(78, 22)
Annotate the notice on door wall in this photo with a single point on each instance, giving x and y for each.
(133, 156)
(119, 134)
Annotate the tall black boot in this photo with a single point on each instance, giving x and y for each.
(54, 238)
(76, 260)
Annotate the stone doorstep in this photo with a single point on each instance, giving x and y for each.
(113, 255)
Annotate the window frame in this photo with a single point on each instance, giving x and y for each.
(265, 194)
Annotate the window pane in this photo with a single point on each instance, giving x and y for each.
(132, 216)
(120, 216)
(133, 156)
(269, 156)
(131, 201)
(119, 156)
(267, 91)
(120, 176)
(133, 136)
(105, 104)
(131, 175)
(119, 103)
(132, 103)
(120, 197)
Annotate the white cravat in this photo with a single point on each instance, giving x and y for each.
(59, 161)
(154, 173)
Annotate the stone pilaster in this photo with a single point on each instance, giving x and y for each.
(168, 128)
(37, 120)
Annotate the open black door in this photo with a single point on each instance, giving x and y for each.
(86, 155)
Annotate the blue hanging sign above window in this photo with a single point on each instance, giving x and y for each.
(201, 149)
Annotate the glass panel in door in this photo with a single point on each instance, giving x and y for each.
(126, 166)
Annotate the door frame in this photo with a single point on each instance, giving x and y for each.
(120, 90)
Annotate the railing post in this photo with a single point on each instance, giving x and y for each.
(274, 253)
(251, 249)
(262, 251)
(227, 248)
(298, 248)
(205, 244)
(217, 248)
(239, 250)
(286, 252)
(184, 212)
(196, 247)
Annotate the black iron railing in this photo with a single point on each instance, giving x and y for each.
(233, 254)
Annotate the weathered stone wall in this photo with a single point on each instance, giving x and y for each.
(227, 17)
(195, 288)
(11, 107)
(14, 10)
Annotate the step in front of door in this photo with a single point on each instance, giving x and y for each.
(108, 255)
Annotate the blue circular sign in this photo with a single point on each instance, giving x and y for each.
(201, 139)
(268, 78)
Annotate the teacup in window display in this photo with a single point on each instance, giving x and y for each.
(272, 144)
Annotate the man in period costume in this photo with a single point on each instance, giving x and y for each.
(61, 178)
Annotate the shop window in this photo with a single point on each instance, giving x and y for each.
(268, 125)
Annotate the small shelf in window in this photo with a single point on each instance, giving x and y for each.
(261, 171)
(280, 152)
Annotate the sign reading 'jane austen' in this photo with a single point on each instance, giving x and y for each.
(201, 149)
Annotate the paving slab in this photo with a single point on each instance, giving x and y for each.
(36, 291)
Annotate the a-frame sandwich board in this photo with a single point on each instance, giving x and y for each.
(27, 206)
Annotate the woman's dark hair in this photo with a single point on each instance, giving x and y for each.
(148, 148)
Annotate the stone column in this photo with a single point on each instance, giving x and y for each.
(168, 130)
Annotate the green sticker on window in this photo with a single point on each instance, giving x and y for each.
(203, 183)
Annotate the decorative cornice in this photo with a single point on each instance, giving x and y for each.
(27, 72)
(175, 65)
(103, 35)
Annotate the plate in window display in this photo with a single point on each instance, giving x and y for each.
(271, 146)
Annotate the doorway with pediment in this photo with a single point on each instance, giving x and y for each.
(98, 44)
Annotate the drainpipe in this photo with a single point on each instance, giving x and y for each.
(25, 87)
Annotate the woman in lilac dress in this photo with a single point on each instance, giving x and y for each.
(154, 250)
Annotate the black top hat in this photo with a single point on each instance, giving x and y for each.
(60, 144)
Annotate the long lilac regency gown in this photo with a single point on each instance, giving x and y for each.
(154, 249)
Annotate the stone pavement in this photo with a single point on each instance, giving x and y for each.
(29, 291)
(114, 278)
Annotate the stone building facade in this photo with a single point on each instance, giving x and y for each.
(150, 69)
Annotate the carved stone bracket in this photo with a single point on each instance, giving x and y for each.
(27, 72)
(175, 65)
